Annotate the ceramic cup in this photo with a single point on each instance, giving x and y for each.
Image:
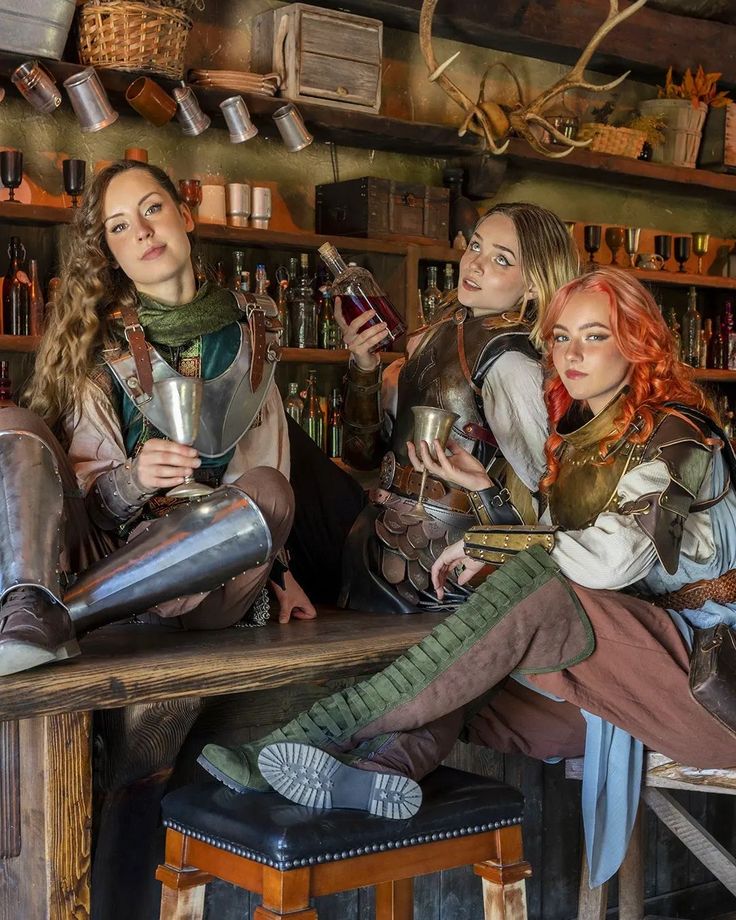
(238, 203)
(36, 84)
(649, 261)
(260, 209)
(89, 101)
(212, 206)
(136, 153)
(151, 101)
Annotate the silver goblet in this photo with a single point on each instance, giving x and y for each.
(180, 401)
(429, 423)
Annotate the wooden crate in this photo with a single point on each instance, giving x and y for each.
(718, 147)
(321, 55)
(383, 209)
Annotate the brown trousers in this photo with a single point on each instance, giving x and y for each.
(82, 543)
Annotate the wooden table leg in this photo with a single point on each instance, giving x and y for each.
(631, 874)
(591, 901)
(395, 900)
(50, 877)
(285, 894)
(504, 877)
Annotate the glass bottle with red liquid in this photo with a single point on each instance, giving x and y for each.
(359, 293)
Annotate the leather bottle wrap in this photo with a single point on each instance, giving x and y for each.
(363, 445)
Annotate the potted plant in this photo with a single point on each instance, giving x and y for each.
(683, 107)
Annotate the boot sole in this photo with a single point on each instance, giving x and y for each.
(312, 777)
(21, 656)
(222, 777)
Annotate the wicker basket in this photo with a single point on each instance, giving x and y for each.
(118, 35)
(621, 142)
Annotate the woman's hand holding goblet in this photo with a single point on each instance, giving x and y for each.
(459, 469)
(163, 464)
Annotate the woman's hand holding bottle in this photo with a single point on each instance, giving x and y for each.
(459, 469)
(361, 342)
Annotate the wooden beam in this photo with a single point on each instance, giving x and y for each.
(556, 30)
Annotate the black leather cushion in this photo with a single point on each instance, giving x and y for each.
(267, 828)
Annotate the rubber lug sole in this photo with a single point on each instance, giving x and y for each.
(223, 777)
(312, 777)
(21, 656)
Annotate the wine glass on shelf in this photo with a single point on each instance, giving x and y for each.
(614, 237)
(592, 240)
(11, 171)
(663, 248)
(700, 248)
(682, 250)
(74, 172)
(430, 423)
(631, 243)
(191, 192)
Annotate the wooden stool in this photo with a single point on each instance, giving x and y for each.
(660, 773)
(289, 854)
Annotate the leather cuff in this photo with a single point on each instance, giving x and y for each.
(497, 543)
(492, 505)
(363, 381)
(116, 496)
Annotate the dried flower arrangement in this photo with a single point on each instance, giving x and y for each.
(698, 88)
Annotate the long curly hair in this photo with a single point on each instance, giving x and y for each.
(92, 286)
(642, 336)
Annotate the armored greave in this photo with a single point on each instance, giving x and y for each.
(31, 508)
(194, 548)
(524, 617)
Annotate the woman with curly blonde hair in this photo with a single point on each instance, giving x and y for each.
(579, 641)
(128, 328)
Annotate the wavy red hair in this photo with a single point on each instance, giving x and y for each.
(643, 338)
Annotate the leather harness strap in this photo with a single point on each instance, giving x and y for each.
(136, 339)
(248, 304)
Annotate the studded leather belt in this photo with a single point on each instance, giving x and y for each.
(407, 481)
(722, 590)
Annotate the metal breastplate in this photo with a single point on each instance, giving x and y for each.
(586, 486)
(229, 405)
(433, 376)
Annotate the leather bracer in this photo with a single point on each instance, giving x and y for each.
(363, 445)
(493, 505)
(497, 543)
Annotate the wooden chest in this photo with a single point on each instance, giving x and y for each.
(384, 209)
(718, 146)
(321, 55)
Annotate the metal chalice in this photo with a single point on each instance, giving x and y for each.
(180, 401)
(429, 423)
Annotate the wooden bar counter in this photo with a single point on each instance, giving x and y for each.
(156, 678)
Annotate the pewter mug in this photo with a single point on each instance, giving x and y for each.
(192, 119)
(89, 101)
(238, 120)
(288, 120)
(36, 84)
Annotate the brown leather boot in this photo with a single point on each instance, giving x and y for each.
(33, 631)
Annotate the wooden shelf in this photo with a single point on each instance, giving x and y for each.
(714, 376)
(273, 239)
(326, 356)
(15, 213)
(19, 343)
(684, 279)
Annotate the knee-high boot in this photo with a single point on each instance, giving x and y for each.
(524, 617)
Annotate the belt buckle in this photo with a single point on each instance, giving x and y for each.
(387, 470)
(501, 498)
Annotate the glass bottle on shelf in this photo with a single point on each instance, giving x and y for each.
(6, 390)
(359, 292)
(714, 357)
(431, 296)
(729, 339)
(245, 282)
(313, 420)
(706, 334)
(303, 309)
(52, 293)
(329, 331)
(262, 282)
(463, 213)
(16, 292)
(238, 263)
(294, 404)
(220, 274)
(283, 307)
(691, 330)
(448, 278)
(37, 307)
(334, 425)
(200, 270)
(674, 327)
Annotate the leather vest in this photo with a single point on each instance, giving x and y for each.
(447, 369)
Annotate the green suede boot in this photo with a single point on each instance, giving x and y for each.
(452, 666)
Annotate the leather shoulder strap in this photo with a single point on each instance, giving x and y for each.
(136, 339)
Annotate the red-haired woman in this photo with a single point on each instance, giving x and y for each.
(639, 497)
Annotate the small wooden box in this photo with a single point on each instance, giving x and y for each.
(321, 55)
(384, 209)
(718, 146)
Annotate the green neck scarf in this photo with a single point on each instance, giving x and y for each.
(211, 310)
